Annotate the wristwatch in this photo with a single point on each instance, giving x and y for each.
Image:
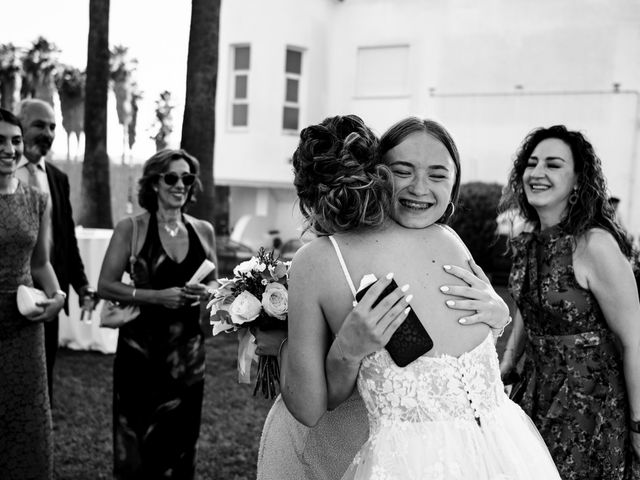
(62, 293)
(634, 426)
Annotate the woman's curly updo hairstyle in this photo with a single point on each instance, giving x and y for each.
(340, 180)
(591, 208)
(158, 164)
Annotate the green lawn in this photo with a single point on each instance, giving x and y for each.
(232, 418)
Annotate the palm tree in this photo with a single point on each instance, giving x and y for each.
(95, 210)
(136, 96)
(71, 83)
(198, 125)
(164, 120)
(10, 76)
(39, 66)
(122, 70)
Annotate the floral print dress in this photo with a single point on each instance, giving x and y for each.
(575, 390)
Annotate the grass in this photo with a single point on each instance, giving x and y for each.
(232, 418)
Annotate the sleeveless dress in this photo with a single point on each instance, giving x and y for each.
(574, 389)
(26, 448)
(444, 418)
(159, 375)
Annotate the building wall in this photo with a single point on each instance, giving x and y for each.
(489, 71)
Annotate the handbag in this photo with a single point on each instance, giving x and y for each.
(115, 314)
(26, 298)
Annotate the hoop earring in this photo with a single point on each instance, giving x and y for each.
(447, 216)
(573, 198)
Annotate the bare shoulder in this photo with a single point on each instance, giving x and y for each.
(597, 257)
(598, 245)
(312, 255)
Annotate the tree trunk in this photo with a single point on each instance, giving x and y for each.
(95, 211)
(10, 95)
(198, 125)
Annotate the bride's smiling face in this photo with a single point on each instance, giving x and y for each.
(424, 175)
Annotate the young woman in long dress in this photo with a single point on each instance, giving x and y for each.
(26, 446)
(445, 415)
(290, 449)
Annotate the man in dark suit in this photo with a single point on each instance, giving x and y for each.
(38, 122)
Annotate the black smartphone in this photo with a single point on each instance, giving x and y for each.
(411, 340)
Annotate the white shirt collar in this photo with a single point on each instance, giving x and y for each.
(23, 162)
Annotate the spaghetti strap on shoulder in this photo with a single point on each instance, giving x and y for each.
(343, 265)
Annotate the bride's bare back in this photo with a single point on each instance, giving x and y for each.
(416, 257)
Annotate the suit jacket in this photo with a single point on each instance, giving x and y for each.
(64, 256)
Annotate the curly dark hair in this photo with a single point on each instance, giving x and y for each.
(340, 180)
(396, 134)
(158, 164)
(592, 208)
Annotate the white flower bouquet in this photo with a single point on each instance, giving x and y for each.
(256, 297)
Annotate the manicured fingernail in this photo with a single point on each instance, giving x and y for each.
(451, 303)
(462, 320)
(407, 310)
(444, 289)
(408, 298)
(389, 275)
(404, 288)
(447, 267)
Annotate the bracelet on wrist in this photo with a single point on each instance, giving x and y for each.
(343, 357)
(62, 293)
(278, 356)
(497, 333)
(634, 426)
(133, 294)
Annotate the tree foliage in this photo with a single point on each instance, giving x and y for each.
(164, 120)
(10, 76)
(475, 220)
(39, 66)
(70, 82)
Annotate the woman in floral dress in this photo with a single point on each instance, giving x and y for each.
(578, 318)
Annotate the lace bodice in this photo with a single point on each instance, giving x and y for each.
(443, 388)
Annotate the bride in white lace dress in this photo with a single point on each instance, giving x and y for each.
(444, 415)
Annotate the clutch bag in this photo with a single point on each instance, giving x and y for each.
(27, 297)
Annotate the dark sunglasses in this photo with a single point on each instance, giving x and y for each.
(172, 178)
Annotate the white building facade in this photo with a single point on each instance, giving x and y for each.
(489, 70)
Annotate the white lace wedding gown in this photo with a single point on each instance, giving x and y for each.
(444, 418)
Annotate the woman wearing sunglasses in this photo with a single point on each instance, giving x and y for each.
(159, 366)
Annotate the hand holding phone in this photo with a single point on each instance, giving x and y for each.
(411, 340)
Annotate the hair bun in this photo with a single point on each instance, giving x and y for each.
(340, 182)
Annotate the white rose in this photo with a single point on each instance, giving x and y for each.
(245, 308)
(275, 300)
(245, 267)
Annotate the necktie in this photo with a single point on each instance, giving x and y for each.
(34, 181)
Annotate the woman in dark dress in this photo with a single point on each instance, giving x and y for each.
(159, 363)
(26, 447)
(578, 318)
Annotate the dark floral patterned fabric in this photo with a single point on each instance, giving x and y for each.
(159, 375)
(575, 391)
(26, 448)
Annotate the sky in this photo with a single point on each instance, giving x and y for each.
(156, 33)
